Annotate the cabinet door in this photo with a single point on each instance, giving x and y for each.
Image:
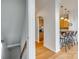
(41, 36)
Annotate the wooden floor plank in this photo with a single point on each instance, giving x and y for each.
(44, 53)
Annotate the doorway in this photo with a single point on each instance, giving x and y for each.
(40, 27)
(39, 32)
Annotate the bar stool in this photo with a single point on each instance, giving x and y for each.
(63, 40)
(74, 35)
(70, 39)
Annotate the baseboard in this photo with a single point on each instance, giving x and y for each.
(53, 50)
(13, 45)
(57, 50)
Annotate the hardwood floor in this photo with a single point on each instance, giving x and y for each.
(44, 53)
(70, 54)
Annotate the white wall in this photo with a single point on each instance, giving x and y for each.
(50, 26)
(57, 25)
(37, 29)
(47, 9)
(43, 8)
(74, 20)
(12, 21)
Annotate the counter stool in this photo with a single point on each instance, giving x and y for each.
(63, 41)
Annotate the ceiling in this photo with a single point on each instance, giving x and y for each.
(71, 5)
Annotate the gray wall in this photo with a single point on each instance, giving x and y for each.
(12, 21)
(10, 53)
(5, 53)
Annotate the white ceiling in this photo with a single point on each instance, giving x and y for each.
(40, 4)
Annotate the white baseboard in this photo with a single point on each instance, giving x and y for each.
(53, 50)
(57, 50)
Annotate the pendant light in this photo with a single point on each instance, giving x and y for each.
(68, 15)
(61, 15)
(65, 15)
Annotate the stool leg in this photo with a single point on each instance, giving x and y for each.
(65, 48)
(68, 45)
